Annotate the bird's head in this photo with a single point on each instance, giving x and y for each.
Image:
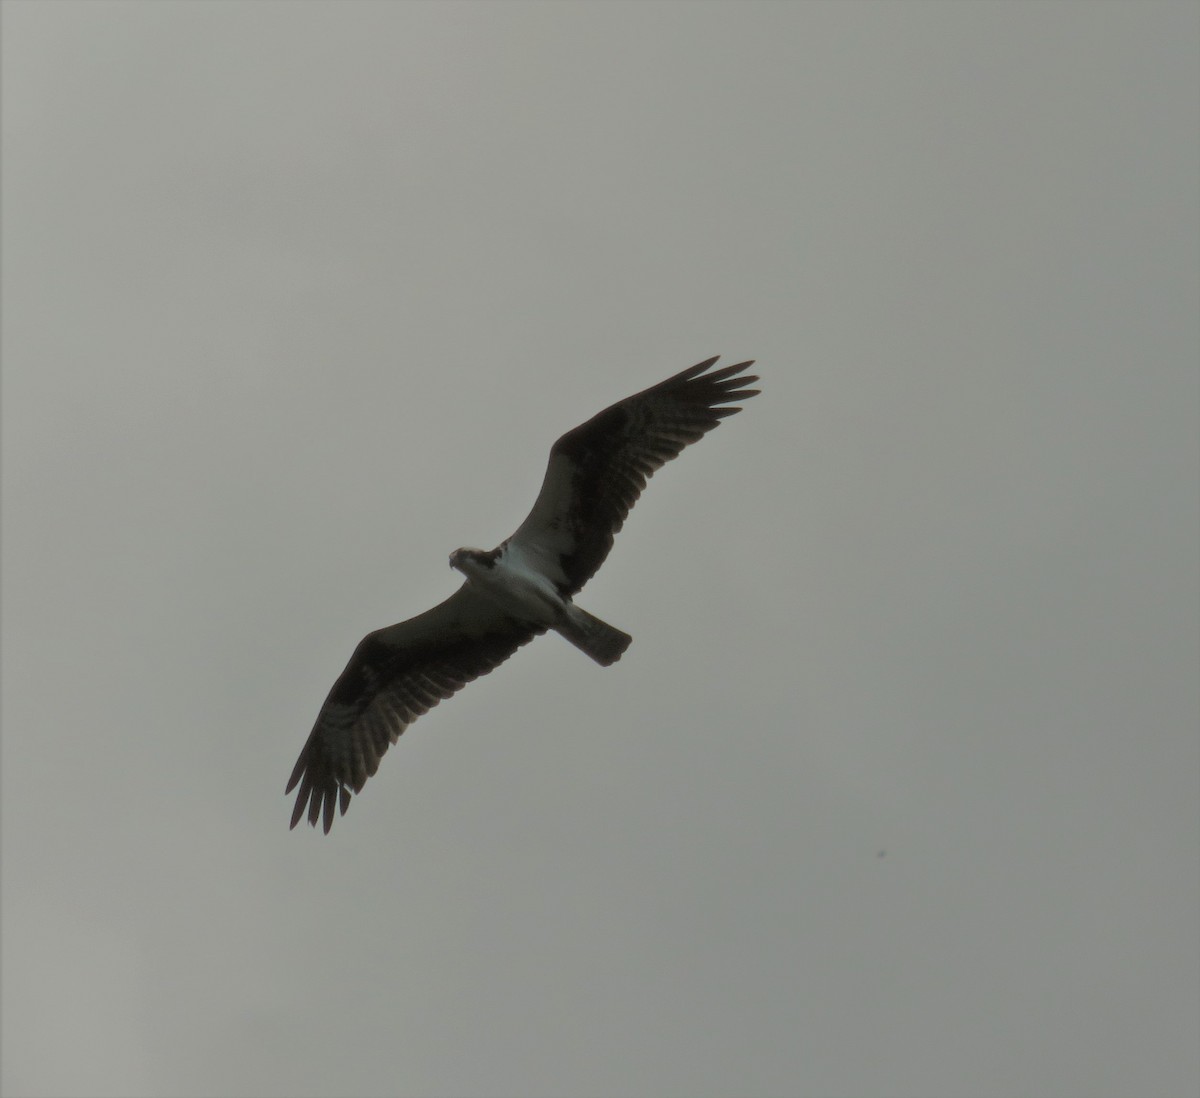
(465, 559)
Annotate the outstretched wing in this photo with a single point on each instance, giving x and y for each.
(598, 470)
(394, 676)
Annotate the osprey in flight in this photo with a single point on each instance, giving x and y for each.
(514, 592)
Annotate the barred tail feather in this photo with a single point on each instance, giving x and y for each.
(603, 642)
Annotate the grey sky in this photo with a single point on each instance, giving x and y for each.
(896, 792)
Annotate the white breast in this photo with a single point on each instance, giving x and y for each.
(516, 585)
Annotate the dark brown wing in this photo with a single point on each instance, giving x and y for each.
(394, 676)
(598, 470)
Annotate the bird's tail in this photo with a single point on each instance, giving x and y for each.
(603, 642)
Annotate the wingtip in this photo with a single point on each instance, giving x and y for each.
(297, 813)
(725, 373)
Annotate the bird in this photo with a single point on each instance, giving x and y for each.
(515, 592)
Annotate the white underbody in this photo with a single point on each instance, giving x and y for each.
(514, 580)
(517, 588)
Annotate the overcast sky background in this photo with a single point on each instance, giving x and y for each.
(896, 792)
